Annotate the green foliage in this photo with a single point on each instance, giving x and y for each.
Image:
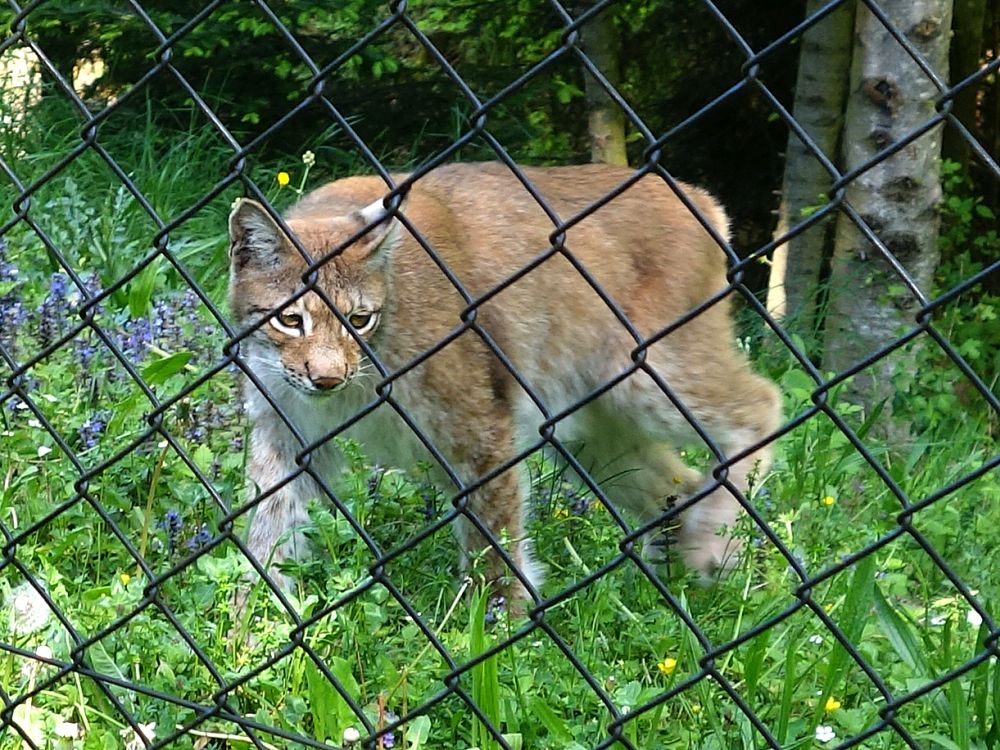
(822, 501)
(407, 108)
(969, 241)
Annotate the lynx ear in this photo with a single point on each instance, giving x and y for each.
(254, 236)
(381, 239)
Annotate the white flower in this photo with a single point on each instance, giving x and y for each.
(825, 733)
(974, 618)
(134, 740)
(816, 639)
(351, 735)
(67, 730)
(43, 451)
(28, 610)
(308, 158)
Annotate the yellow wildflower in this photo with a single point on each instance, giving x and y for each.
(283, 178)
(832, 704)
(561, 513)
(828, 500)
(696, 709)
(125, 578)
(667, 666)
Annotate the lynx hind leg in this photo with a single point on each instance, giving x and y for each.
(737, 411)
(750, 411)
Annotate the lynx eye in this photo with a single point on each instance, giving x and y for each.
(290, 323)
(290, 320)
(363, 321)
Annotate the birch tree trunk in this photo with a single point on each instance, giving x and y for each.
(601, 42)
(820, 93)
(898, 198)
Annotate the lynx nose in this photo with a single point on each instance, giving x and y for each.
(326, 382)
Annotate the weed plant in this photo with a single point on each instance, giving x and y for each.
(123, 448)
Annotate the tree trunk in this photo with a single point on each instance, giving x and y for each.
(600, 41)
(897, 198)
(965, 56)
(820, 93)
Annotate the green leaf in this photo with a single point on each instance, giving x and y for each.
(857, 602)
(331, 713)
(755, 658)
(550, 720)
(140, 290)
(787, 691)
(900, 636)
(485, 676)
(417, 732)
(103, 663)
(905, 644)
(938, 739)
(959, 714)
(157, 373)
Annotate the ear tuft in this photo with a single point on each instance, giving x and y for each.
(253, 235)
(382, 238)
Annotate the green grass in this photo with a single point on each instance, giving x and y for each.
(907, 620)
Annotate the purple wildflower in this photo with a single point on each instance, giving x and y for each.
(7, 270)
(375, 481)
(166, 332)
(195, 433)
(389, 738)
(431, 503)
(200, 539)
(13, 316)
(136, 337)
(12, 312)
(58, 286)
(578, 505)
(91, 430)
(52, 311)
(494, 608)
(174, 524)
(84, 349)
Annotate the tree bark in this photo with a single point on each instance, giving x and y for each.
(820, 93)
(964, 59)
(897, 198)
(600, 41)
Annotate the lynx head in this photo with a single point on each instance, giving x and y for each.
(303, 344)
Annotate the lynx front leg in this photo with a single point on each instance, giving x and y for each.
(499, 507)
(276, 529)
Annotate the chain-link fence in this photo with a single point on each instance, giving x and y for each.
(136, 610)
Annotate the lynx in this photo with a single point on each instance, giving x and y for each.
(560, 343)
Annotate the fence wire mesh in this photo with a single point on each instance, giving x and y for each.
(133, 601)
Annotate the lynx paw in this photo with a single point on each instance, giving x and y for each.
(711, 556)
